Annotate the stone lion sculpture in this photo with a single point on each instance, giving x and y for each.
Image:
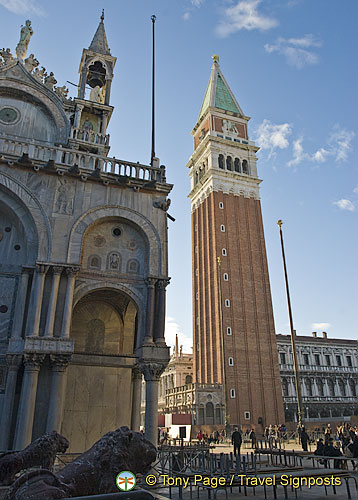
(40, 453)
(92, 473)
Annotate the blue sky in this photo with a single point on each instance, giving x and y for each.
(292, 67)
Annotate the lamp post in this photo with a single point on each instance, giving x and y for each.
(300, 410)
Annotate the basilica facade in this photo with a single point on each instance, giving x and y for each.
(83, 258)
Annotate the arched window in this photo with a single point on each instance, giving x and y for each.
(237, 165)
(226, 277)
(114, 262)
(229, 163)
(133, 266)
(320, 387)
(222, 228)
(342, 387)
(188, 379)
(196, 177)
(221, 161)
(209, 413)
(330, 387)
(353, 387)
(94, 262)
(227, 303)
(231, 361)
(284, 387)
(245, 167)
(308, 383)
(232, 393)
(228, 330)
(221, 204)
(223, 251)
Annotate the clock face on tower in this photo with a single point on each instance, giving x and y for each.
(9, 115)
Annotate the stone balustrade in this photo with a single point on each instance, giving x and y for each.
(64, 158)
(89, 136)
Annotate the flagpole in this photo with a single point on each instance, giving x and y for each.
(153, 18)
(293, 340)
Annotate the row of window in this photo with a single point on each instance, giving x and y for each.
(317, 359)
(236, 165)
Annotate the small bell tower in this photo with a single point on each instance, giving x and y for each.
(93, 111)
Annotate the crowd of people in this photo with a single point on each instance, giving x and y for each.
(342, 443)
(216, 437)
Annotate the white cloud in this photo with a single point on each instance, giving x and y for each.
(338, 147)
(295, 50)
(340, 143)
(197, 3)
(186, 16)
(355, 190)
(270, 136)
(320, 326)
(22, 7)
(344, 204)
(244, 15)
(298, 153)
(172, 329)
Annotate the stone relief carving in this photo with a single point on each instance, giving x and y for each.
(229, 127)
(40, 74)
(64, 197)
(25, 36)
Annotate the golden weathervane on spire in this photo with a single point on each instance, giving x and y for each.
(215, 58)
(102, 16)
(279, 222)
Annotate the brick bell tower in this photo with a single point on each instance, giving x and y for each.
(233, 324)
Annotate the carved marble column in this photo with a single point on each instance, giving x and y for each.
(148, 338)
(104, 122)
(13, 363)
(136, 398)
(152, 372)
(59, 363)
(160, 316)
(51, 311)
(26, 410)
(20, 305)
(34, 314)
(67, 310)
(108, 91)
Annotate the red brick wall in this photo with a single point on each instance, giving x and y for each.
(255, 374)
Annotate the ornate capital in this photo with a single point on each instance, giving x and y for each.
(79, 107)
(136, 373)
(33, 361)
(72, 271)
(151, 370)
(41, 268)
(163, 283)
(57, 269)
(59, 362)
(13, 361)
(151, 282)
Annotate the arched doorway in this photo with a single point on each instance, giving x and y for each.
(99, 384)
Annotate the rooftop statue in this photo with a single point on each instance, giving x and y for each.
(25, 35)
(50, 81)
(6, 55)
(30, 63)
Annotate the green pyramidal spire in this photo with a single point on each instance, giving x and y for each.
(218, 93)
